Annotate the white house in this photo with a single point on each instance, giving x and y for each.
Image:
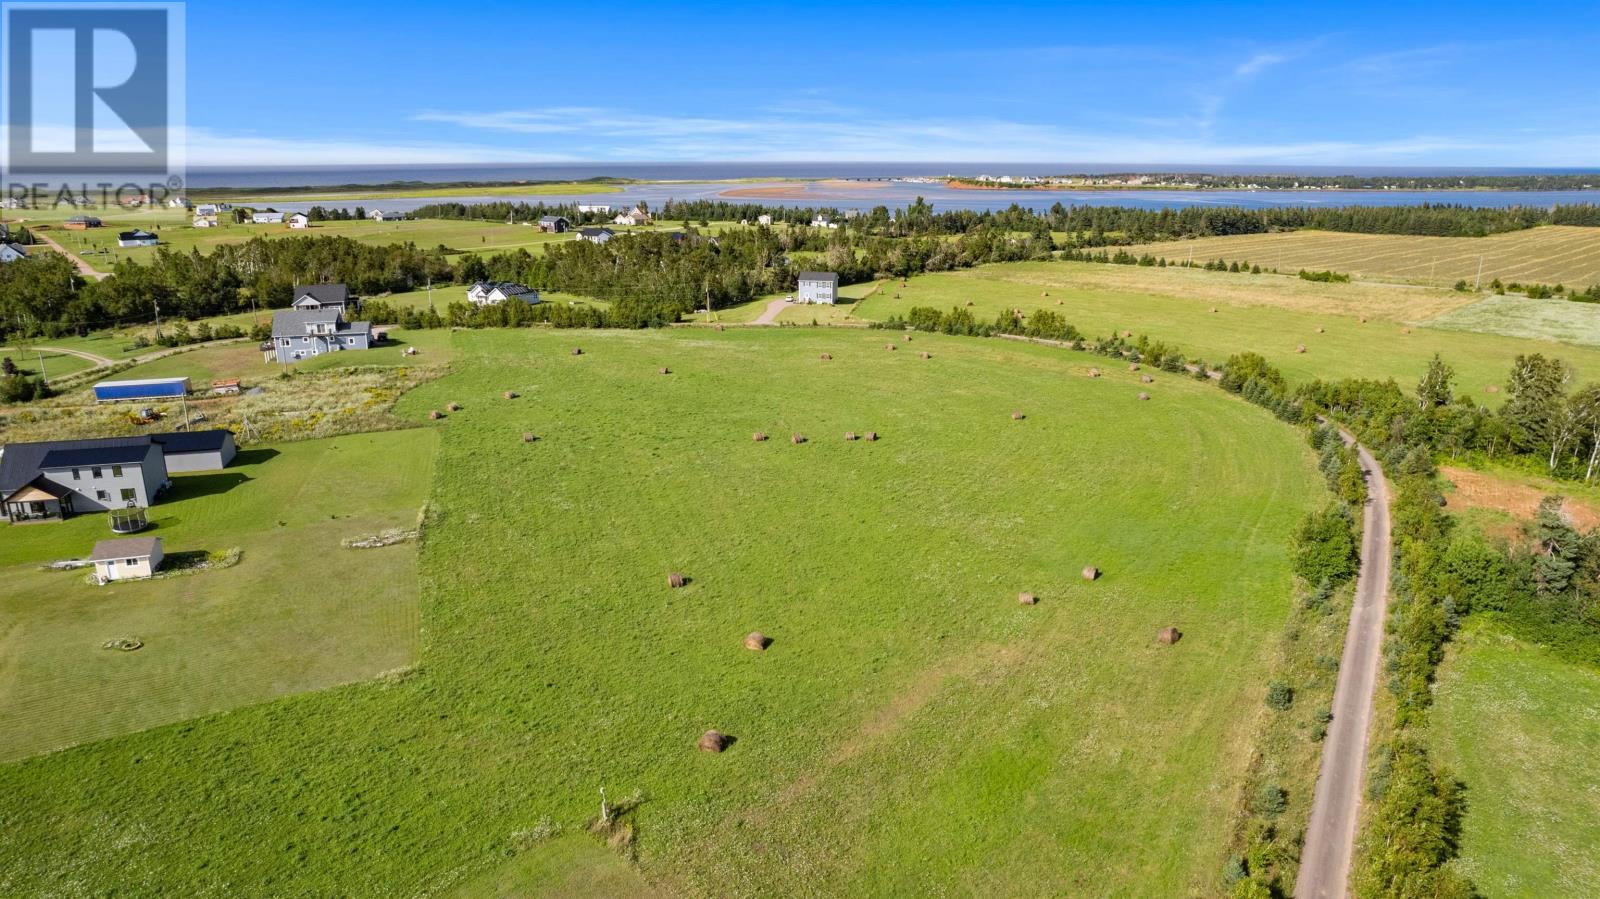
(299, 220)
(596, 235)
(128, 558)
(600, 210)
(493, 293)
(179, 202)
(205, 221)
(11, 252)
(206, 209)
(378, 215)
(823, 221)
(632, 217)
(268, 217)
(137, 239)
(764, 218)
(819, 287)
(321, 296)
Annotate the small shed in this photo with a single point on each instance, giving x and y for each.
(126, 558)
(225, 386)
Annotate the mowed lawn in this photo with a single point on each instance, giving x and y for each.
(911, 730)
(298, 612)
(1264, 314)
(1551, 254)
(1522, 730)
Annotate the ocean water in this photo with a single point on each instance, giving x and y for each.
(687, 181)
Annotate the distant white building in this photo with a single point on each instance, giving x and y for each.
(137, 239)
(596, 235)
(299, 220)
(823, 221)
(206, 209)
(378, 215)
(179, 202)
(266, 218)
(11, 252)
(632, 217)
(600, 210)
(493, 293)
(205, 221)
(764, 218)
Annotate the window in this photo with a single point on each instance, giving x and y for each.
(95, 472)
(285, 342)
(102, 495)
(129, 495)
(116, 471)
(77, 475)
(130, 561)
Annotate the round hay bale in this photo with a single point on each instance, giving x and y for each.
(827, 357)
(759, 436)
(1362, 319)
(453, 407)
(1044, 293)
(797, 439)
(1027, 599)
(849, 435)
(757, 641)
(926, 354)
(906, 337)
(1133, 366)
(529, 437)
(122, 644)
(510, 394)
(889, 346)
(969, 302)
(1300, 348)
(1094, 372)
(676, 580)
(871, 436)
(719, 326)
(1091, 573)
(1058, 302)
(1405, 330)
(1492, 388)
(1127, 333)
(713, 741)
(435, 415)
(1143, 395)
(897, 294)
(577, 351)
(1146, 379)
(1017, 416)
(1168, 636)
(665, 370)
(1213, 309)
(1320, 329)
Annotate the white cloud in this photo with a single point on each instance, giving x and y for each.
(1258, 63)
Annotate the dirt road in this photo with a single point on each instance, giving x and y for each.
(87, 270)
(99, 361)
(1336, 807)
(770, 315)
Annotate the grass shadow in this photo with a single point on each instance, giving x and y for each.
(198, 485)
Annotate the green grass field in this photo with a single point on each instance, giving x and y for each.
(1266, 316)
(1515, 316)
(297, 613)
(911, 730)
(1522, 730)
(1552, 254)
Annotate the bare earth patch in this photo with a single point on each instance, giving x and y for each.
(1478, 490)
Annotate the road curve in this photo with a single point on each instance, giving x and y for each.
(84, 268)
(99, 361)
(769, 316)
(1336, 807)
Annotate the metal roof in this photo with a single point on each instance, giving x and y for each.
(820, 276)
(100, 455)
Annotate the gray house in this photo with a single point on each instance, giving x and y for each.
(302, 333)
(57, 478)
(11, 252)
(321, 296)
(819, 287)
(554, 224)
(595, 235)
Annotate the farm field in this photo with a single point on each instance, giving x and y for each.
(1550, 254)
(31, 361)
(216, 640)
(1262, 317)
(1515, 316)
(911, 729)
(1522, 730)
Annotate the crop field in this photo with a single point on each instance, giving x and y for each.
(1263, 317)
(911, 729)
(1515, 316)
(1551, 254)
(297, 612)
(1522, 730)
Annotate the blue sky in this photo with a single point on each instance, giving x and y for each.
(296, 83)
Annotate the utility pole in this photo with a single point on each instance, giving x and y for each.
(1479, 282)
(157, 303)
(430, 294)
(42, 376)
